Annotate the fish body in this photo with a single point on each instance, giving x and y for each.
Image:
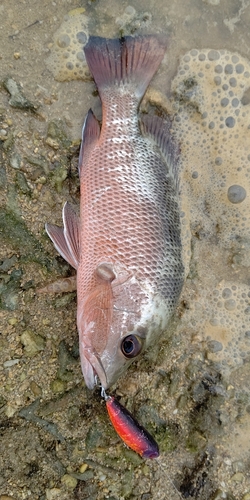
(126, 245)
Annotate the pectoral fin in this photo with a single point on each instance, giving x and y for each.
(66, 239)
(71, 232)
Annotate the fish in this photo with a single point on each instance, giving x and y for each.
(126, 243)
(132, 433)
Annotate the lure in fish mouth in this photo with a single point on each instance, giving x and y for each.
(126, 244)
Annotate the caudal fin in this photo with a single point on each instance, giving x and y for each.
(125, 61)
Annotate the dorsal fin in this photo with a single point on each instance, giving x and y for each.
(126, 61)
(90, 136)
(159, 130)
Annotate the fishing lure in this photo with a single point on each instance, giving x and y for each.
(128, 428)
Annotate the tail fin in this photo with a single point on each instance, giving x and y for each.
(125, 61)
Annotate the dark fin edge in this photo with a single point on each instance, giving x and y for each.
(128, 60)
(159, 130)
(90, 135)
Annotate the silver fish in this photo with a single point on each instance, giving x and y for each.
(126, 246)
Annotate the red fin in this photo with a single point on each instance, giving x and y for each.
(90, 135)
(57, 236)
(160, 131)
(71, 232)
(98, 311)
(126, 61)
(60, 286)
(66, 239)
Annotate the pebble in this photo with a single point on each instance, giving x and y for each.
(6, 497)
(21, 183)
(238, 466)
(214, 346)
(15, 161)
(13, 321)
(9, 412)
(238, 477)
(58, 386)
(10, 362)
(53, 493)
(83, 468)
(69, 481)
(34, 387)
(33, 343)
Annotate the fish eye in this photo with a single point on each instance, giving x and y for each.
(131, 346)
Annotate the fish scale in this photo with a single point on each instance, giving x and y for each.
(127, 243)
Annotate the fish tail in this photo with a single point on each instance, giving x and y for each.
(125, 62)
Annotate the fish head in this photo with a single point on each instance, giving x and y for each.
(111, 331)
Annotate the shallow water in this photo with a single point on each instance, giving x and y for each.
(192, 394)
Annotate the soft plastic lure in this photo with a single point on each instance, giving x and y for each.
(130, 431)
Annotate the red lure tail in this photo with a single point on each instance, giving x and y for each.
(130, 431)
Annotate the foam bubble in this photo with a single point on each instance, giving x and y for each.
(211, 125)
(236, 194)
(67, 60)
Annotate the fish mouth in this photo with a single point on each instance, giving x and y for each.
(92, 368)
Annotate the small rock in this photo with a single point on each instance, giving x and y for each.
(33, 343)
(21, 183)
(58, 176)
(69, 481)
(83, 468)
(18, 100)
(218, 495)
(13, 321)
(9, 411)
(10, 363)
(53, 493)
(58, 386)
(53, 143)
(238, 477)
(3, 177)
(3, 134)
(214, 346)
(238, 466)
(6, 497)
(15, 161)
(34, 387)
